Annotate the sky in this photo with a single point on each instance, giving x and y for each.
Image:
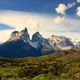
(49, 17)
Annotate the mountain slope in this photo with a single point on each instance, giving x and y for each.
(46, 48)
(64, 65)
(18, 49)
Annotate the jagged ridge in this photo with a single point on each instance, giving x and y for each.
(20, 45)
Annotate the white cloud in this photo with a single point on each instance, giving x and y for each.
(61, 9)
(33, 23)
(37, 22)
(58, 20)
(78, 1)
(70, 5)
(5, 35)
(78, 11)
(18, 19)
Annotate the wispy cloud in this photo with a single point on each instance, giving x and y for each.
(5, 35)
(18, 19)
(58, 20)
(45, 24)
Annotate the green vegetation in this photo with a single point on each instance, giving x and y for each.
(64, 65)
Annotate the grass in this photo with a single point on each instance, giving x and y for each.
(64, 65)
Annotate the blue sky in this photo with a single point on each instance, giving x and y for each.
(39, 6)
(46, 16)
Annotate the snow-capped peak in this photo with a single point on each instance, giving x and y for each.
(24, 35)
(61, 42)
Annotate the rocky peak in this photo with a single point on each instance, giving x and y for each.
(24, 31)
(42, 42)
(61, 42)
(20, 35)
(37, 37)
(15, 35)
(24, 34)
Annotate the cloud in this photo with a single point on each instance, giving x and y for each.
(37, 22)
(78, 1)
(61, 9)
(5, 35)
(58, 20)
(70, 5)
(78, 11)
(33, 23)
(18, 19)
(66, 24)
(15, 20)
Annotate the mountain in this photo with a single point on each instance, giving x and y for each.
(43, 43)
(60, 43)
(20, 45)
(20, 35)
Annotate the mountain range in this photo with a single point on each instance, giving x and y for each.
(20, 45)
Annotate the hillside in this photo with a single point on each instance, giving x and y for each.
(64, 65)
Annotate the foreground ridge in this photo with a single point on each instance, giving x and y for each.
(63, 65)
